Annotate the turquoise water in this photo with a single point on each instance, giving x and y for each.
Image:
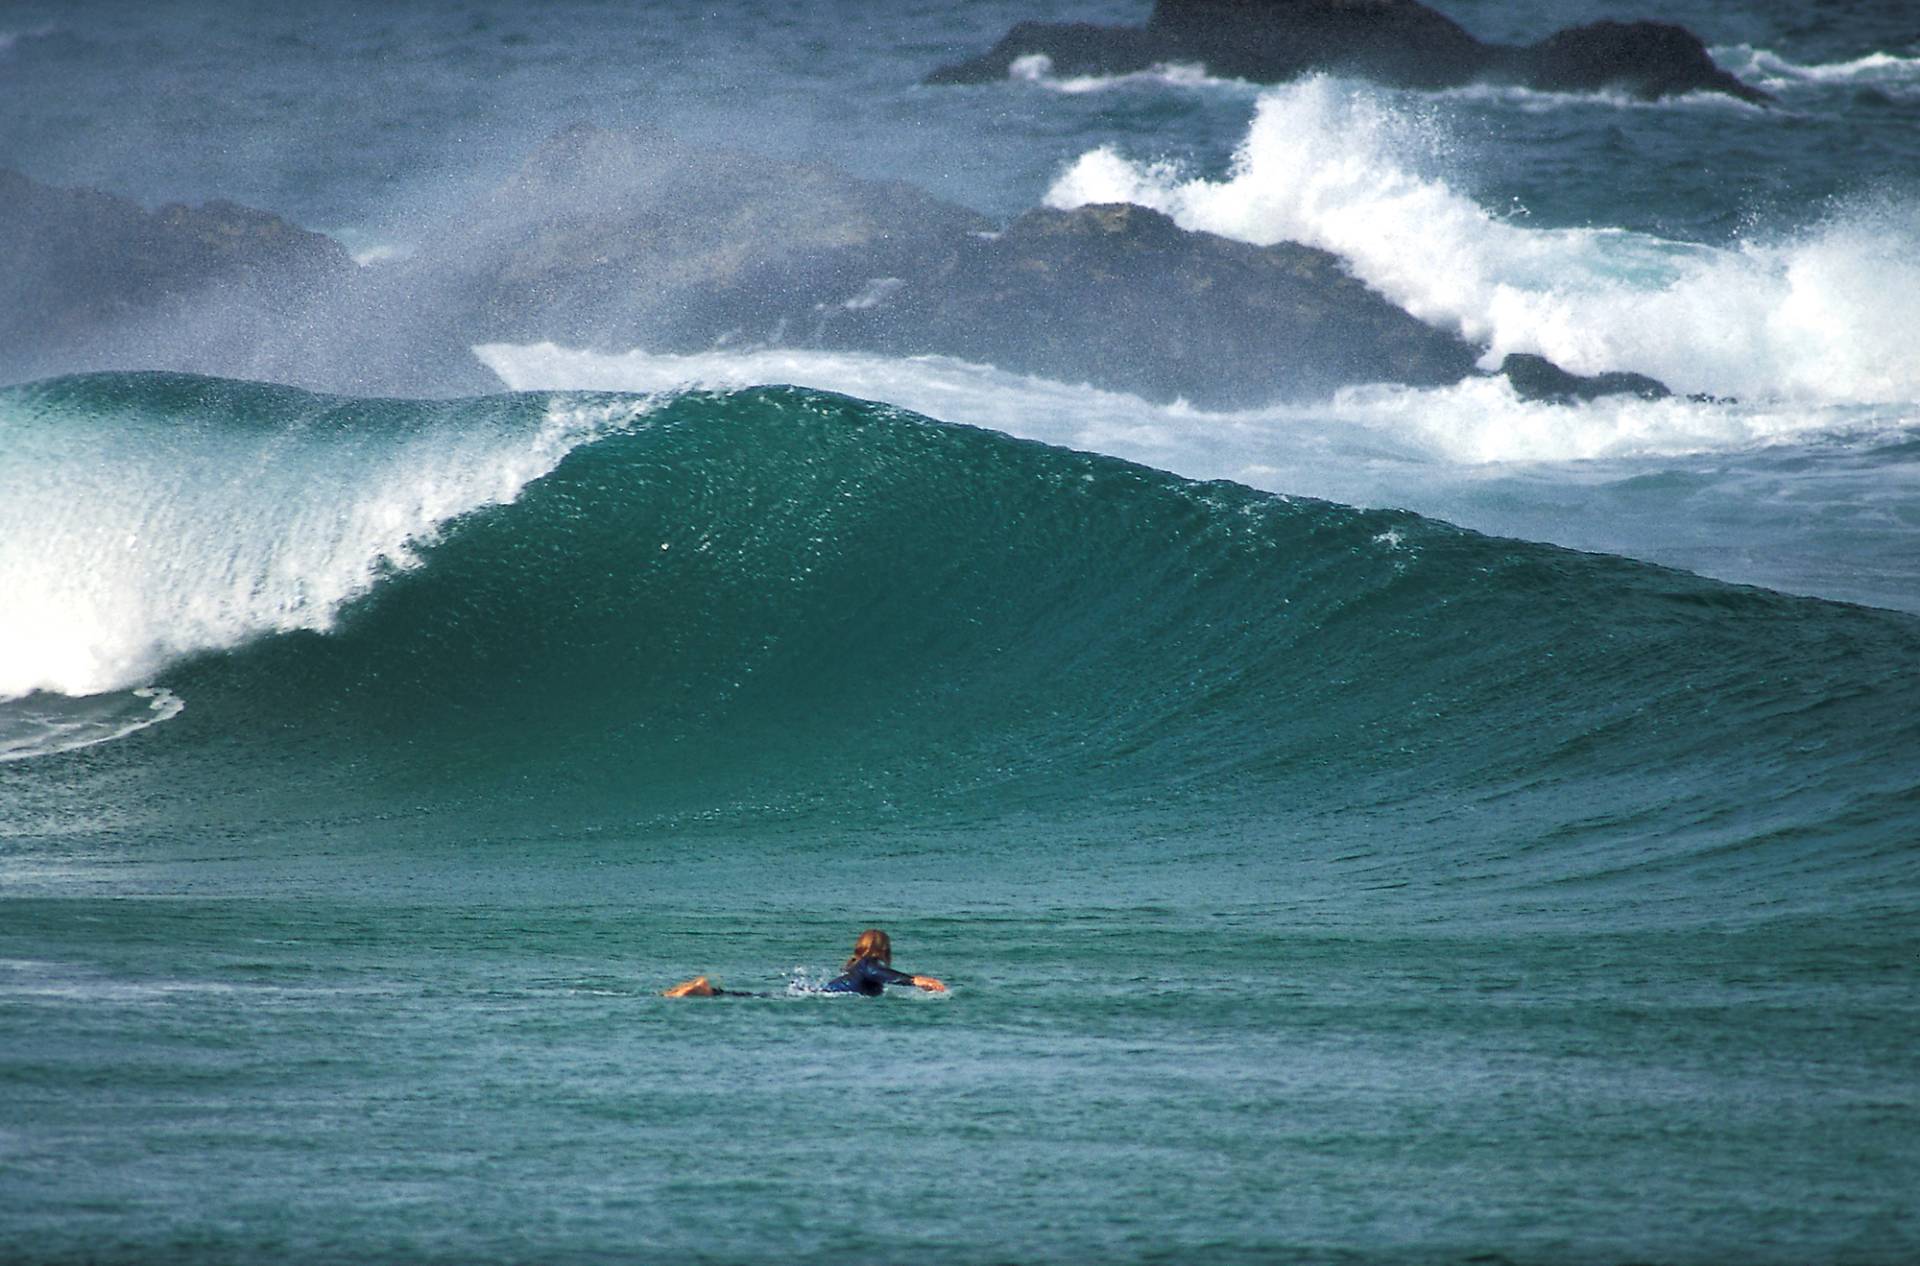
(489, 1078)
(1313, 883)
(1409, 826)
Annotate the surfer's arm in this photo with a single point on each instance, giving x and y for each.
(888, 976)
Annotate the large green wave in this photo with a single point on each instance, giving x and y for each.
(780, 607)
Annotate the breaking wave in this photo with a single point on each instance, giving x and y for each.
(1819, 316)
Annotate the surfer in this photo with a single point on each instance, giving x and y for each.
(868, 972)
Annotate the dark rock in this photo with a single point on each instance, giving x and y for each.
(616, 240)
(1122, 297)
(1537, 378)
(92, 278)
(1393, 41)
(610, 239)
(1074, 48)
(1396, 42)
(613, 240)
(602, 239)
(1648, 59)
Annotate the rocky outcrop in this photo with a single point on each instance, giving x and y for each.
(1648, 59)
(1537, 378)
(603, 239)
(1071, 48)
(100, 281)
(1395, 42)
(1122, 297)
(614, 240)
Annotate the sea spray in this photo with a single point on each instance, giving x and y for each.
(145, 517)
(1817, 316)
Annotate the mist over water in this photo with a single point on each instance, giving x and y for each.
(1374, 824)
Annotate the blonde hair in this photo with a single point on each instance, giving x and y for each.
(873, 943)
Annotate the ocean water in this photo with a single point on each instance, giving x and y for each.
(1409, 826)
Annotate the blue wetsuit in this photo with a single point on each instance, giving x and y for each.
(869, 976)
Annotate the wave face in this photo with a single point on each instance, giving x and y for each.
(1807, 500)
(1818, 315)
(772, 605)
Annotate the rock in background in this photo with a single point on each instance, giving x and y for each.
(95, 281)
(1395, 42)
(1121, 297)
(615, 240)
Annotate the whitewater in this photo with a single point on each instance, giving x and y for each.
(175, 537)
(1819, 317)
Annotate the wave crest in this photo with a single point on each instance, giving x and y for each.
(207, 513)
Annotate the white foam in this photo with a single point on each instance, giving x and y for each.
(42, 725)
(1821, 317)
(1479, 420)
(1542, 101)
(125, 544)
(1037, 69)
(368, 249)
(1775, 73)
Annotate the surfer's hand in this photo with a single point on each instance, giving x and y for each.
(698, 987)
(929, 984)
